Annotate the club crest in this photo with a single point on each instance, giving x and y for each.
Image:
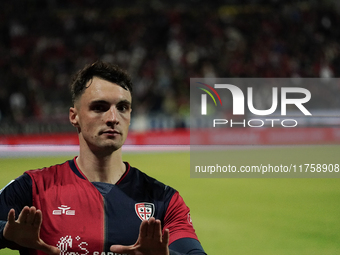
(145, 210)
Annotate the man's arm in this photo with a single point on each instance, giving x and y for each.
(186, 246)
(183, 239)
(15, 195)
(16, 198)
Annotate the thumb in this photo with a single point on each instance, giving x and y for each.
(120, 249)
(49, 249)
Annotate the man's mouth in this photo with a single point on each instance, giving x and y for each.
(110, 132)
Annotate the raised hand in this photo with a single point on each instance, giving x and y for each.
(25, 231)
(150, 240)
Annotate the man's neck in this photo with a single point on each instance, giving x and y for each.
(108, 169)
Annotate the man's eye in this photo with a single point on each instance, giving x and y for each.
(98, 108)
(122, 108)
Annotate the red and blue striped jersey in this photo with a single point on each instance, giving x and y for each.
(82, 217)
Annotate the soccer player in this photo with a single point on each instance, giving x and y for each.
(96, 203)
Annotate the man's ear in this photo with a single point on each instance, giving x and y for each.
(73, 117)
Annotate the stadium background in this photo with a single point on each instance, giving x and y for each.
(162, 45)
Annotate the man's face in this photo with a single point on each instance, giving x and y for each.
(102, 115)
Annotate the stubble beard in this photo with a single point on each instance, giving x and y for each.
(104, 147)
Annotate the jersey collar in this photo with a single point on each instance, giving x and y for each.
(74, 167)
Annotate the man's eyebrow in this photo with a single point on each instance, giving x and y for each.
(124, 102)
(99, 101)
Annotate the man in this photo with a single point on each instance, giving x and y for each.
(96, 203)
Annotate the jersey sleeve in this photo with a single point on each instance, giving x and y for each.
(177, 220)
(17, 194)
(186, 246)
(183, 239)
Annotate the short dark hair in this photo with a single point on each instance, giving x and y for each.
(103, 70)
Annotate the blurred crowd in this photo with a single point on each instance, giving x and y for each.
(42, 43)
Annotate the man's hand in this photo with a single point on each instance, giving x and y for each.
(25, 231)
(150, 240)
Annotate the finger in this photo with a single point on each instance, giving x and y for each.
(11, 216)
(151, 227)
(143, 230)
(121, 249)
(31, 215)
(165, 237)
(37, 219)
(23, 214)
(158, 230)
(49, 249)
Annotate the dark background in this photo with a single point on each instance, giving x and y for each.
(162, 45)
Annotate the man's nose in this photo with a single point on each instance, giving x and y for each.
(112, 116)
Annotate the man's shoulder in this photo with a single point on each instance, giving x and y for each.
(143, 181)
(143, 177)
(48, 170)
